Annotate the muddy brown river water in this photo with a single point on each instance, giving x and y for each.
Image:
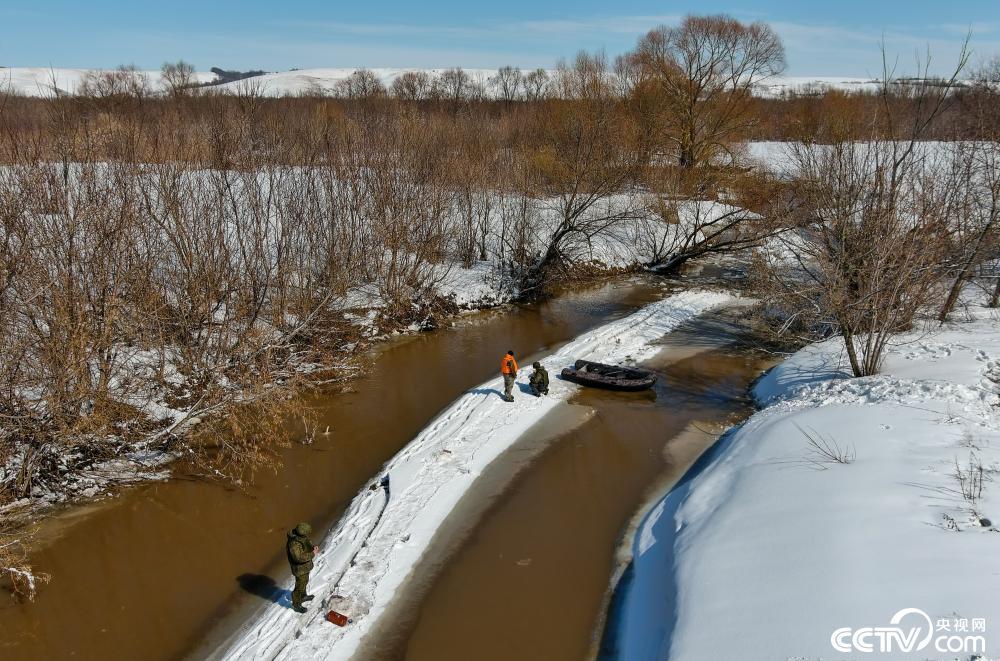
(164, 570)
(530, 579)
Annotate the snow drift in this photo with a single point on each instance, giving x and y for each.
(846, 504)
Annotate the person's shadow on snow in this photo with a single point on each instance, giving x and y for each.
(487, 391)
(525, 388)
(265, 588)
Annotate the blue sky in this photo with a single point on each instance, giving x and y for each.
(839, 37)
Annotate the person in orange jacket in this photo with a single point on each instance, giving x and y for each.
(508, 368)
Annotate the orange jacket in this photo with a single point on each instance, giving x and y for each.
(508, 365)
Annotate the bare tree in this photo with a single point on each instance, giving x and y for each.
(874, 219)
(412, 86)
(679, 229)
(454, 86)
(362, 84)
(535, 83)
(701, 74)
(587, 153)
(124, 82)
(178, 78)
(508, 82)
(975, 227)
(988, 71)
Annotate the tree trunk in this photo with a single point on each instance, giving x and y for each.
(852, 353)
(952, 299)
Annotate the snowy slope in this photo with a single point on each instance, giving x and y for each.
(798, 554)
(793, 85)
(427, 480)
(37, 81)
(324, 81)
(48, 81)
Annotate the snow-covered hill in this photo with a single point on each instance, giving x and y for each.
(44, 81)
(310, 81)
(48, 81)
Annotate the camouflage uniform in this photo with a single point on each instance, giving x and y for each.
(539, 381)
(300, 558)
(508, 386)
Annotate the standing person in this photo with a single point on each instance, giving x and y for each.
(508, 368)
(539, 380)
(301, 551)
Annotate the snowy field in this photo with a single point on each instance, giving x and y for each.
(44, 81)
(372, 550)
(49, 81)
(875, 539)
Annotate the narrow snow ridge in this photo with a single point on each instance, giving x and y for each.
(367, 556)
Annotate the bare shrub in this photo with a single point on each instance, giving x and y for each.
(16, 574)
(970, 480)
(873, 224)
(124, 82)
(825, 450)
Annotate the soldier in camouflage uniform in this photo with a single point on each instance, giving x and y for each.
(539, 380)
(300, 557)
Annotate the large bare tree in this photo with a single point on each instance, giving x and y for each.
(699, 76)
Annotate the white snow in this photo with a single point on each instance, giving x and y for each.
(40, 81)
(800, 85)
(428, 478)
(49, 81)
(768, 548)
(326, 80)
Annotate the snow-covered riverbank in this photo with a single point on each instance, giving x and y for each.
(365, 566)
(844, 506)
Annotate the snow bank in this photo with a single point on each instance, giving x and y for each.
(428, 478)
(770, 549)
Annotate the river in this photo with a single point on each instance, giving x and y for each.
(164, 570)
(522, 569)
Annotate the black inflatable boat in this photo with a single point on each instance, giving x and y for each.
(611, 377)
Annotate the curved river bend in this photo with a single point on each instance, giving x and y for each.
(166, 569)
